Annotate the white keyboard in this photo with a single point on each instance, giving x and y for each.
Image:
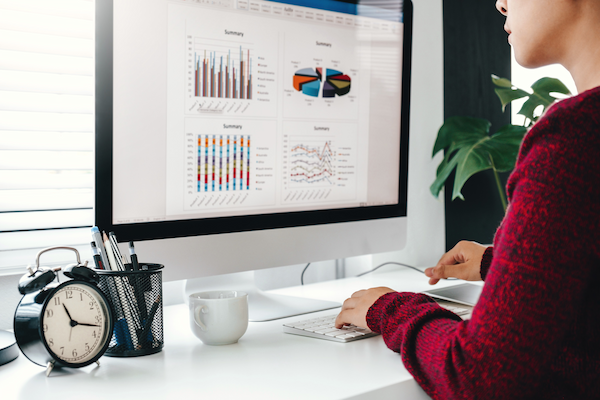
(460, 311)
(324, 327)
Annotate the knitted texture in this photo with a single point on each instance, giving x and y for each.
(535, 332)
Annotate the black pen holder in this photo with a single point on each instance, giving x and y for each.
(136, 298)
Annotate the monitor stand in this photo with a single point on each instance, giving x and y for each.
(262, 306)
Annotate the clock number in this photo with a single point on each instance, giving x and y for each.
(57, 301)
(69, 294)
(49, 313)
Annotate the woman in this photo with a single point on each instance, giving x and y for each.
(535, 332)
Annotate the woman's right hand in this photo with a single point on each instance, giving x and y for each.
(462, 262)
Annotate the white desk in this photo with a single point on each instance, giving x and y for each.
(264, 364)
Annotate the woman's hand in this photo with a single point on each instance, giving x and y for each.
(354, 310)
(462, 262)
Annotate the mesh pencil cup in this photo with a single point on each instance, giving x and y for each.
(137, 304)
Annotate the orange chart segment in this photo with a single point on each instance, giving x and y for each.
(299, 80)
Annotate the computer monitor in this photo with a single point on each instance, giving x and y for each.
(235, 135)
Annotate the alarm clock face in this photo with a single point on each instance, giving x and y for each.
(76, 323)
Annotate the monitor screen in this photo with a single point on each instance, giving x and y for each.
(221, 116)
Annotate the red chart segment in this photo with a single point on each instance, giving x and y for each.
(309, 81)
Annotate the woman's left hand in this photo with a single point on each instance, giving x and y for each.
(354, 310)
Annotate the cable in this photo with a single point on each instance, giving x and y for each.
(302, 276)
(391, 262)
(375, 269)
(397, 263)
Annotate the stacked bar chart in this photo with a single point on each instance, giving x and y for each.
(312, 163)
(322, 82)
(223, 163)
(223, 75)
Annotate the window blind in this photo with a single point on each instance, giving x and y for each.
(46, 129)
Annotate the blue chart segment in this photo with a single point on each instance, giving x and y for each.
(312, 163)
(223, 163)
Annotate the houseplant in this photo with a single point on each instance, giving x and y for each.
(469, 148)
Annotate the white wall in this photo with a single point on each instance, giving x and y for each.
(426, 240)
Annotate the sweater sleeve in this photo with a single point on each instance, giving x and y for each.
(486, 261)
(532, 287)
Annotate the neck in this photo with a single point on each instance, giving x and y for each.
(583, 55)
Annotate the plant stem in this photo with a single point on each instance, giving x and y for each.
(499, 185)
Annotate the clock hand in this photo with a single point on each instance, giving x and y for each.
(72, 322)
(68, 314)
(87, 324)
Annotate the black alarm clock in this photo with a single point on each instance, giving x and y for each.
(67, 324)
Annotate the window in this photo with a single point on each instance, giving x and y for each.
(46, 129)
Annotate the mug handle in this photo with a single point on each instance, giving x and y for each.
(197, 319)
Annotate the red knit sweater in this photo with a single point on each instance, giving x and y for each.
(535, 332)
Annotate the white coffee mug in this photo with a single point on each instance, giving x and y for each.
(219, 317)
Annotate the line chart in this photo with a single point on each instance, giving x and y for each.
(312, 163)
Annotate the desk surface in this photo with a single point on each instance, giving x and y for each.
(264, 364)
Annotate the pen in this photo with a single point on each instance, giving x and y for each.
(115, 247)
(150, 319)
(134, 260)
(97, 237)
(111, 256)
(96, 256)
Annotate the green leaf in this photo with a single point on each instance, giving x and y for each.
(443, 173)
(506, 92)
(501, 82)
(472, 160)
(541, 96)
(469, 150)
(502, 147)
(505, 145)
(507, 95)
(550, 85)
(458, 129)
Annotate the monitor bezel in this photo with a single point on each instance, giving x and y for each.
(210, 226)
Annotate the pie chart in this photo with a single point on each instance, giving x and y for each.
(324, 81)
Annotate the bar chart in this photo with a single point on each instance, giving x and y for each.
(223, 163)
(226, 164)
(219, 73)
(228, 76)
